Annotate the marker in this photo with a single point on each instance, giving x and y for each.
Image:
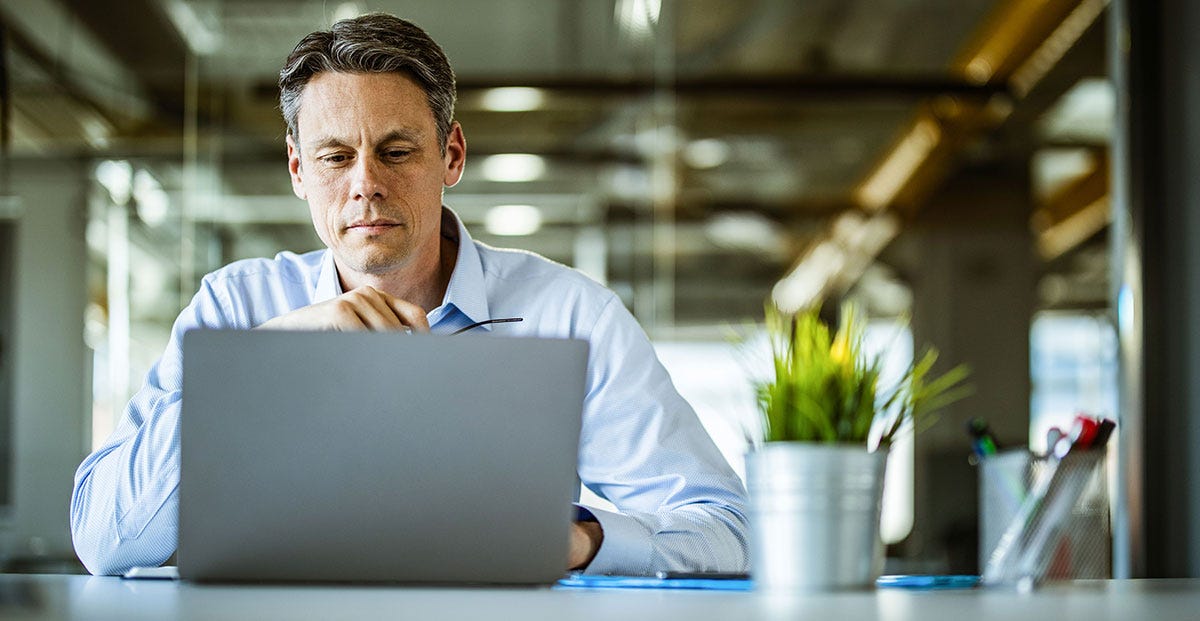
(1062, 447)
(982, 440)
(1104, 432)
(1053, 435)
(1083, 431)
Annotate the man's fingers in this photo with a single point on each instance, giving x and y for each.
(412, 315)
(381, 311)
(345, 317)
(336, 314)
(364, 308)
(372, 309)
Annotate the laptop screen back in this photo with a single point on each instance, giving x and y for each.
(378, 456)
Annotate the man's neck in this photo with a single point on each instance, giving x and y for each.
(421, 284)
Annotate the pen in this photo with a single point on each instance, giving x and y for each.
(1053, 435)
(982, 440)
(1104, 432)
(1083, 431)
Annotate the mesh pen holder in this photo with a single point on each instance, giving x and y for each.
(1044, 518)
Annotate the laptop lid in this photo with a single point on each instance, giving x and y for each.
(377, 456)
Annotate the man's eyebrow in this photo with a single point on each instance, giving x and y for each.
(402, 135)
(325, 143)
(396, 135)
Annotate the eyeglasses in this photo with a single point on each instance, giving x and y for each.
(486, 322)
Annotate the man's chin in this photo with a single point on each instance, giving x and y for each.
(380, 267)
(373, 264)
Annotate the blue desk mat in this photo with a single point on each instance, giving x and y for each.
(912, 582)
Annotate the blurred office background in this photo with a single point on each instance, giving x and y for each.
(946, 161)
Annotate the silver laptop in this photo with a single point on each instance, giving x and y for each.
(363, 457)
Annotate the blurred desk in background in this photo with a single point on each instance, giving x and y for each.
(43, 597)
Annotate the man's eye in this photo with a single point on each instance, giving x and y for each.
(336, 158)
(396, 153)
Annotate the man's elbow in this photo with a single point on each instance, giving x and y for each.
(98, 547)
(99, 560)
(104, 552)
(105, 567)
(96, 558)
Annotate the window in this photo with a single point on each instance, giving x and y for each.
(1073, 360)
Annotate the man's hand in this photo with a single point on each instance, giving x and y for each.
(585, 541)
(364, 308)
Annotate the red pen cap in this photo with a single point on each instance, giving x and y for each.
(1083, 431)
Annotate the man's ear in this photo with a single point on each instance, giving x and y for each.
(293, 153)
(456, 155)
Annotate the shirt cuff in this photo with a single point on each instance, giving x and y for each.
(625, 549)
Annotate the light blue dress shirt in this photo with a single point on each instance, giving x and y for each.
(681, 507)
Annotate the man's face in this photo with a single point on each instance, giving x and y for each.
(370, 166)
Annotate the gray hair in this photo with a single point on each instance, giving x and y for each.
(373, 43)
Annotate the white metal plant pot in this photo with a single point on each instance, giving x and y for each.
(814, 516)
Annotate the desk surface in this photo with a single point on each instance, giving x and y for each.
(81, 597)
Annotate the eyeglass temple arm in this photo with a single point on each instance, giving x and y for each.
(486, 322)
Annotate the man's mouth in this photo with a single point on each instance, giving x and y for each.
(372, 227)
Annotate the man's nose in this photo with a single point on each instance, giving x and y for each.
(367, 181)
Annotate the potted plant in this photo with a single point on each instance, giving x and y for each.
(816, 483)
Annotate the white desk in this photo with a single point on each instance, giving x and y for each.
(98, 599)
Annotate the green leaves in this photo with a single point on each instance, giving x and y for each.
(826, 389)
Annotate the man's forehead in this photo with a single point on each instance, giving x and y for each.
(335, 102)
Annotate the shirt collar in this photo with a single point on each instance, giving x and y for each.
(328, 285)
(466, 291)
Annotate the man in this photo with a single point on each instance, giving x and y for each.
(371, 145)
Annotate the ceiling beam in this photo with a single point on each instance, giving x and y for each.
(1074, 214)
(830, 87)
(1012, 41)
(1013, 50)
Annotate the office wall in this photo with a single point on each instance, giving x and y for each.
(969, 256)
(50, 361)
